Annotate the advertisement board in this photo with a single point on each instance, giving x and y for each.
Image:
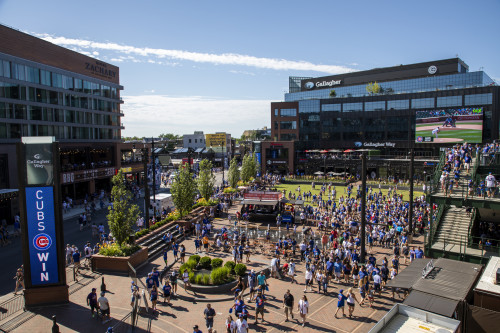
(215, 140)
(453, 125)
(42, 245)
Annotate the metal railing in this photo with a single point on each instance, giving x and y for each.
(11, 306)
(435, 223)
(479, 243)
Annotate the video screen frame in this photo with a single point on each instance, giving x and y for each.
(449, 125)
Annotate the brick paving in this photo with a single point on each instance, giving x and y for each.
(183, 314)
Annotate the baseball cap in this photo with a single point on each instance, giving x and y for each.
(195, 327)
(241, 315)
(341, 291)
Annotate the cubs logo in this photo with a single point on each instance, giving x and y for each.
(42, 242)
(420, 139)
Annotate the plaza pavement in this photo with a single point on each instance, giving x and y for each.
(187, 311)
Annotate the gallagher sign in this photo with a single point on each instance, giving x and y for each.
(42, 235)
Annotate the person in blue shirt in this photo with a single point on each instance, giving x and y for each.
(259, 306)
(76, 261)
(197, 244)
(337, 267)
(419, 254)
(149, 283)
(341, 302)
(154, 297)
(165, 257)
(167, 290)
(155, 275)
(175, 248)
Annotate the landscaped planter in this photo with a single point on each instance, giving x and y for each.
(120, 264)
(220, 289)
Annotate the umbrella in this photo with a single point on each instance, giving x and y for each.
(335, 151)
(319, 173)
(349, 151)
(314, 151)
(324, 151)
(364, 150)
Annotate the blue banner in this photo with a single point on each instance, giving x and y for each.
(42, 243)
(259, 160)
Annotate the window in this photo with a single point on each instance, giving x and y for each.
(67, 82)
(57, 80)
(285, 125)
(195, 140)
(275, 125)
(350, 107)
(189, 140)
(375, 106)
(4, 68)
(288, 112)
(420, 103)
(478, 99)
(449, 101)
(276, 112)
(400, 104)
(288, 136)
(309, 106)
(45, 77)
(331, 107)
(32, 75)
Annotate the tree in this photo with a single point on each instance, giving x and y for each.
(233, 174)
(333, 93)
(373, 88)
(122, 214)
(206, 180)
(169, 136)
(249, 167)
(183, 190)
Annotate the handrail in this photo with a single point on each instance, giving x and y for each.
(471, 224)
(435, 224)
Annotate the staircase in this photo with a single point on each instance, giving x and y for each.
(156, 245)
(462, 187)
(454, 226)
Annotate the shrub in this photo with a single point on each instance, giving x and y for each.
(115, 250)
(198, 279)
(240, 269)
(191, 264)
(206, 279)
(230, 265)
(184, 267)
(220, 275)
(216, 263)
(191, 277)
(230, 190)
(205, 262)
(195, 257)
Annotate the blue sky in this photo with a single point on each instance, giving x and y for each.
(217, 65)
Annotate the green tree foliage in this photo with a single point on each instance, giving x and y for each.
(169, 136)
(373, 88)
(333, 93)
(206, 180)
(249, 167)
(233, 174)
(183, 190)
(123, 214)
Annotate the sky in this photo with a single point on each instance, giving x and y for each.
(215, 66)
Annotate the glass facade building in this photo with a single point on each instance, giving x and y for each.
(352, 115)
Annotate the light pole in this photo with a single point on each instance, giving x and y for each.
(154, 175)
(363, 207)
(146, 187)
(410, 217)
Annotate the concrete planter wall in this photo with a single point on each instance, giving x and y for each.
(220, 289)
(120, 264)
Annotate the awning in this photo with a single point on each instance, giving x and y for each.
(258, 202)
(436, 304)
(407, 278)
(293, 202)
(199, 150)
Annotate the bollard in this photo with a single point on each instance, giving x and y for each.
(55, 327)
(103, 285)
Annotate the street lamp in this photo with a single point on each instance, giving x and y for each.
(146, 187)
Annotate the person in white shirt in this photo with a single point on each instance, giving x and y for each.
(490, 184)
(241, 325)
(230, 325)
(303, 308)
(308, 279)
(104, 307)
(274, 268)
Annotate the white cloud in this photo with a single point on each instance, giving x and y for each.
(215, 59)
(242, 72)
(182, 115)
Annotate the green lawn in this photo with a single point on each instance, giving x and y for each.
(340, 190)
(469, 123)
(468, 135)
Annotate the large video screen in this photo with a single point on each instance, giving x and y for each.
(449, 125)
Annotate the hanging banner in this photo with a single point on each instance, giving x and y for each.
(42, 243)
